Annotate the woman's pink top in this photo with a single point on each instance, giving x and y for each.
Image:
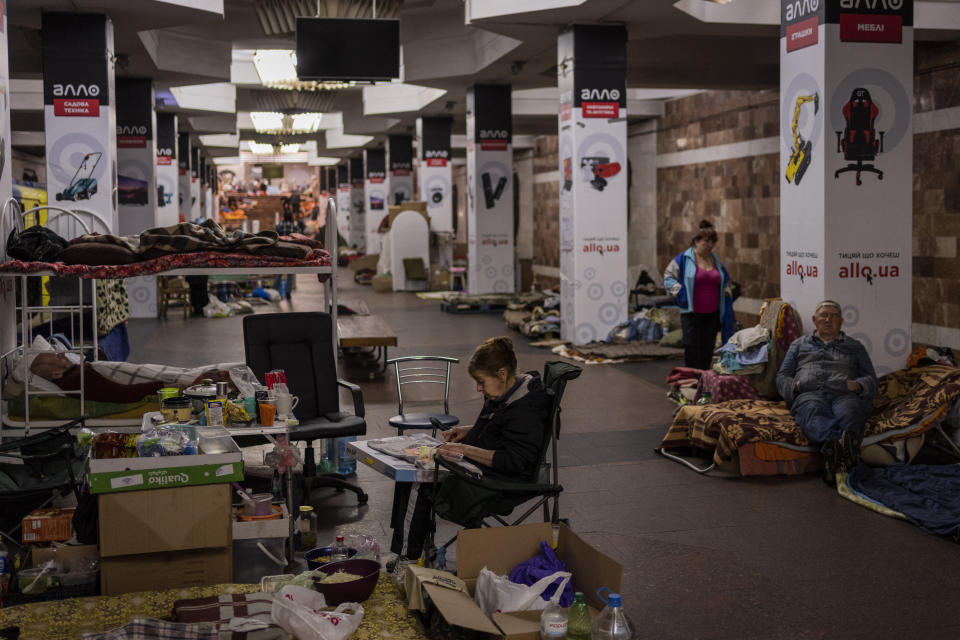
(706, 290)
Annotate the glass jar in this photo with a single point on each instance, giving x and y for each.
(308, 528)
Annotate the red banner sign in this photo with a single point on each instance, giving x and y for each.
(436, 162)
(76, 107)
(803, 34)
(493, 145)
(861, 27)
(131, 142)
(600, 109)
(164, 161)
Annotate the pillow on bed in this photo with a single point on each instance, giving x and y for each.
(22, 367)
(96, 253)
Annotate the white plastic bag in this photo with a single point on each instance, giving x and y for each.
(496, 593)
(216, 308)
(300, 612)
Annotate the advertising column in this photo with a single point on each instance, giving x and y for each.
(593, 180)
(358, 230)
(846, 156)
(136, 157)
(433, 141)
(401, 169)
(8, 326)
(342, 190)
(490, 250)
(209, 200)
(202, 177)
(195, 212)
(184, 157)
(376, 187)
(78, 113)
(168, 179)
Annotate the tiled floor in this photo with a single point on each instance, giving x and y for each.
(703, 556)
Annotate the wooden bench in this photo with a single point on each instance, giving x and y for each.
(359, 331)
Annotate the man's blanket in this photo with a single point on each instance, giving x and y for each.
(908, 402)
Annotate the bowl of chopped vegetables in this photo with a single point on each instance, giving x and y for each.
(347, 581)
(320, 556)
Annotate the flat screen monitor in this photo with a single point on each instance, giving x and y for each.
(347, 49)
(271, 171)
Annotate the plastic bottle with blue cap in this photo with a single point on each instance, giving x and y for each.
(612, 623)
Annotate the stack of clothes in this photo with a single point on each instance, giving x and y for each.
(648, 325)
(745, 353)
(535, 316)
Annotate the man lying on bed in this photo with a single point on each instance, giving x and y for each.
(117, 382)
(828, 381)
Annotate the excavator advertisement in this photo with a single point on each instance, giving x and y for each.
(802, 151)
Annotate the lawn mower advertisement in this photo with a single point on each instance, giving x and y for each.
(490, 232)
(434, 173)
(593, 186)
(8, 302)
(375, 187)
(401, 169)
(79, 117)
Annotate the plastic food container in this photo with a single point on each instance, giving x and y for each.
(177, 409)
(320, 556)
(77, 578)
(34, 581)
(355, 590)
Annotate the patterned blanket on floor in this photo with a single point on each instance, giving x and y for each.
(908, 402)
(316, 258)
(386, 612)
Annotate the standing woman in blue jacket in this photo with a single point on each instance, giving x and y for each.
(699, 281)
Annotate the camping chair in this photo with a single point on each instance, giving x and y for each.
(544, 488)
(34, 470)
(301, 344)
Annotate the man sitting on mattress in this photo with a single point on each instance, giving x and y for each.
(828, 381)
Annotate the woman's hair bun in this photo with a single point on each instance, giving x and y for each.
(706, 224)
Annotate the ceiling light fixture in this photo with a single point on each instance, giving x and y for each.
(260, 148)
(305, 122)
(289, 148)
(267, 121)
(296, 123)
(277, 69)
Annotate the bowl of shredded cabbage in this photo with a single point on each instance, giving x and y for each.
(347, 580)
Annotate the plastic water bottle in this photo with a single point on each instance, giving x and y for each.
(339, 551)
(346, 461)
(578, 622)
(553, 622)
(612, 623)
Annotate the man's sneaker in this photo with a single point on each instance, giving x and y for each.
(849, 451)
(831, 462)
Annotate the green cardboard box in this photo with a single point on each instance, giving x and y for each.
(136, 474)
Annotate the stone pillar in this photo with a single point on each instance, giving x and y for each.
(184, 158)
(490, 234)
(591, 67)
(341, 190)
(358, 230)
(195, 199)
(136, 156)
(846, 156)
(401, 169)
(8, 316)
(78, 114)
(375, 187)
(168, 180)
(434, 173)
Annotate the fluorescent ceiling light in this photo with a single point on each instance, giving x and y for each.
(289, 148)
(267, 121)
(260, 148)
(305, 122)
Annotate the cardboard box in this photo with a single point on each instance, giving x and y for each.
(70, 557)
(439, 278)
(382, 283)
(51, 524)
(146, 522)
(156, 571)
(499, 549)
(278, 528)
(419, 207)
(134, 474)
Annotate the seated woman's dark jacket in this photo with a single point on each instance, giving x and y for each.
(514, 429)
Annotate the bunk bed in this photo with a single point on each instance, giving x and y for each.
(72, 223)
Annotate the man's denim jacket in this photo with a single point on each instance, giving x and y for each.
(812, 365)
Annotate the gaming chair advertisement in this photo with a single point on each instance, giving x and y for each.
(79, 118)
(136, 157)
(592, 160)
(401, 169)
(376, 187)
(847, 164)
(168, 179)
(435, 172)
(343, 200)
(490, 241)
(358, 216)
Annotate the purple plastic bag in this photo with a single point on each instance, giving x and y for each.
(540, 566)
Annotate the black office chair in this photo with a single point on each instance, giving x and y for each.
(858, 141)
(302, 345)
(544, 487)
